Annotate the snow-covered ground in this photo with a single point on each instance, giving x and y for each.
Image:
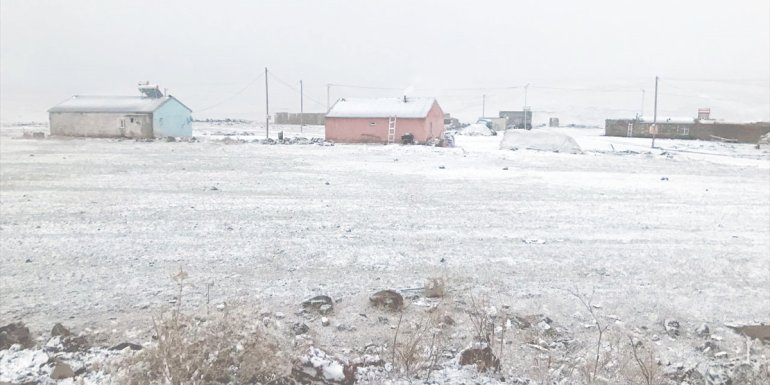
(91, 229)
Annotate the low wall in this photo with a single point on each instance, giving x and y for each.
(309, 118)
(740, 132)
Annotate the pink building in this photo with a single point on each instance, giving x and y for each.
(384, 120)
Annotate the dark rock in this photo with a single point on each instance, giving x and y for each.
(483, 358)
(388, 299)
(300, 328)
(441, 167)
(60, 330)
(74, 344)
(14, 333)
(61, 371)
(124, 345)
(693, 377)
(709, 347)
(703, 330)
(672, 327)
(322, 304)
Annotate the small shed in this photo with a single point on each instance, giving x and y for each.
(384, 120)
(152, 115)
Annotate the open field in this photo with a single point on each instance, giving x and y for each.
(92, 229)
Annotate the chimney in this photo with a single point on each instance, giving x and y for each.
(404, 98)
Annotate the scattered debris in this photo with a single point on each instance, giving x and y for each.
(324, 321)
(316, 366)
(723, 140)
(323, 304)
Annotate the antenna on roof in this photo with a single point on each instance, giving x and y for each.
(150, 90)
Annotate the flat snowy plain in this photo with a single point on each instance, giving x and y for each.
(91, 229)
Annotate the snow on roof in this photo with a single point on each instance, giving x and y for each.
(138, 104)
(381, 108)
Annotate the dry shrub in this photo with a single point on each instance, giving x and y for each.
(222, 350)
(418, 344)
(644, 369)
(435, 287)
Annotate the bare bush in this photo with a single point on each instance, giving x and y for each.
(418, 344)
(591, 369)
(193, 350)
(644, 369)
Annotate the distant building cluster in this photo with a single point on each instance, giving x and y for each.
(153, 114)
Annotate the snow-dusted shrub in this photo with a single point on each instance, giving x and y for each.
(222, 348)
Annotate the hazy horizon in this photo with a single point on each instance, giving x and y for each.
(583, 61)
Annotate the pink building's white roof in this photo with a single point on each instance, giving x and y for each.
(381, 108)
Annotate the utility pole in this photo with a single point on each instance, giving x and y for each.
(655, 114)
(301, 107)
(526, 88)
(483, 105)
(328, 97)
(267, 109)
(642, 113)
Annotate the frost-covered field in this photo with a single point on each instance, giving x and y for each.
(92, 229)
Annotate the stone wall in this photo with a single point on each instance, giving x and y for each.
(740, 132)
(309, 118)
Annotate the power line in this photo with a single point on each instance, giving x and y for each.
(288, 85)
(233, 95)
(364, 87)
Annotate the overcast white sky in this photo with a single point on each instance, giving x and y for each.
(584, 60)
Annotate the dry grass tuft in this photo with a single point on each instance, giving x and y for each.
(222, 350)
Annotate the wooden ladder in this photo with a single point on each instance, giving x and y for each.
(392, 130)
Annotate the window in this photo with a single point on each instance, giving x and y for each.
(122, 123)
